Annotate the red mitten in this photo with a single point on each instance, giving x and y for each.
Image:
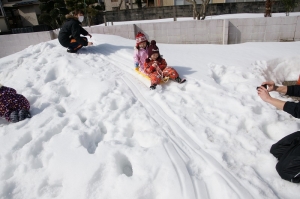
(152, 68)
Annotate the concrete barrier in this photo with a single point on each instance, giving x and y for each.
(270, 29)
(185, 32)
(218, 31)
(16, 42)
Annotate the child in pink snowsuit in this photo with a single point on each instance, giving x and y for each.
(140, 52)
(156, 67)
(14, 107)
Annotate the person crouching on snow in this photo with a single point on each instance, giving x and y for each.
(69, 34)
(286, 150)
(156, 67)
(13, 107)
(140, 52)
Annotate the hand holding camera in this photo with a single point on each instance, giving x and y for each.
(264, 85)
(264, 94)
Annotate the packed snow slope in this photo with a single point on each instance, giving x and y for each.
(97, 130)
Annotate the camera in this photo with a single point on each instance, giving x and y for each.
(265, 85)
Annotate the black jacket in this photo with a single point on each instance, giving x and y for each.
(292, 107)
(71, 28)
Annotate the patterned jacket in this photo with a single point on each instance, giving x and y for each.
(149, 66)
(11, 101)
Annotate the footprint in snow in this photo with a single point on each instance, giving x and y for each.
(123, 165)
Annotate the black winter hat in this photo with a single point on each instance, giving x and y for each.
(153, 49)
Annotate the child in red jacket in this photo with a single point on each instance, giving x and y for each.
(14, 107)
(156, 67)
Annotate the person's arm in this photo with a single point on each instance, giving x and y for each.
(281, 89)
(293, 90)
(163, 64)
(277, 103)
(292, 108)
(273, 87)
(265, 96)
(76, 34)
(83, 31)
(136, 56)
(148, 67)
(289, 107)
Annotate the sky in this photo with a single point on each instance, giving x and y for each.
(98, 131)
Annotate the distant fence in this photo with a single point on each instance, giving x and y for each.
(187, 11)
(215, 31)
(38, 28)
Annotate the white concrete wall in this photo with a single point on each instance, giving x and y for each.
(126, 31)
(269, 29)
(227, 31)
(184, 32)
(16, 42)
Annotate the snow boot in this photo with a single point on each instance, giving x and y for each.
(179, 80)
(23, 114)
(152, 87)
(13, 117)
(71, 50)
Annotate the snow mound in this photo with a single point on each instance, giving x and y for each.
(97, 130)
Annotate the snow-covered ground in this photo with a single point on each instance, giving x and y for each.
(97, 130)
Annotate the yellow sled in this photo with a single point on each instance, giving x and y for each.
(164, 80)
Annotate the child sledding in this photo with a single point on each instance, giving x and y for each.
(156, 67)
(149, 61)
(13, 107)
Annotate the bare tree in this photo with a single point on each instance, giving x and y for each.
(203, 8)
(120, 5)
(289, 5)
(268, 12)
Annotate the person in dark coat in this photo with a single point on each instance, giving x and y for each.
(13, 107)
(286, 150)
(69, 34)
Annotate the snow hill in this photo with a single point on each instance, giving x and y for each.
(97, 130)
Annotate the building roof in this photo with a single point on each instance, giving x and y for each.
(19, 4)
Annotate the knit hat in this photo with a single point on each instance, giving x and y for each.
(153, 48)
(140, 37)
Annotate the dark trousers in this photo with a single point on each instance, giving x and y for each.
(74, 45)
(287, 151)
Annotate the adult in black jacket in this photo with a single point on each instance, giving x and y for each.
(69, 34)
(286, 150)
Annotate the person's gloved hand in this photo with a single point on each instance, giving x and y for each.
(136, 65)
(152, 68)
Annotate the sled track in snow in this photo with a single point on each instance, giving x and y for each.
(181, 145)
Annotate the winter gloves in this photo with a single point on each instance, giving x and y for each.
(16, 116)
(136, 65)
